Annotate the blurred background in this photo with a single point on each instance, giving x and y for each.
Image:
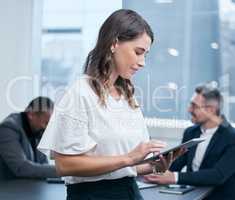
(43, 45)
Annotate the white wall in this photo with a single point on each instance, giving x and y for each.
(169, 130)
(94, 16)
(17, 53)
(85, 14)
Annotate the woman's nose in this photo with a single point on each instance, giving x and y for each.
(141, 62)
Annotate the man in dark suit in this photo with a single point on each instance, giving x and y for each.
(212, 162)
(19, 135)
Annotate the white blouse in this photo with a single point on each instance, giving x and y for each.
(80, 125)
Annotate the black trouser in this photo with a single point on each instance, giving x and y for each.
(118, 189)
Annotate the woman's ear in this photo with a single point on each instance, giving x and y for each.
(114, 46)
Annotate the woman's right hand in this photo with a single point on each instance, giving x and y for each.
(143, 149)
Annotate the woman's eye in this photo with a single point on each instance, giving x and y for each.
(138, 53)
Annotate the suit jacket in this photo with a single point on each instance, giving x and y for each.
(218, 165)
(17, 158)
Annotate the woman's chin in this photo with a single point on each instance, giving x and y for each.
(127, 76)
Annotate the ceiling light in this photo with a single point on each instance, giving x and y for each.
(214, 45)
(172, 85)
(173, 52)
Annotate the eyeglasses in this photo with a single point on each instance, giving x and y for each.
(194, 106)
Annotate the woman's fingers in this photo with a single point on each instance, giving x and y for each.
(145, 148)
(164, 162)
(170, 158)
(157, 143)
(155, 146)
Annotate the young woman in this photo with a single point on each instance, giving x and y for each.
(97, 131)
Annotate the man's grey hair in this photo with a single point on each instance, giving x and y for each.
(212, 95)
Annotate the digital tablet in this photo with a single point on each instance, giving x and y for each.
(185, 145)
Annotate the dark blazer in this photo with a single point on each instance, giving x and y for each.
(17, 159)
(218, 165)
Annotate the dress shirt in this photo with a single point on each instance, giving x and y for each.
(201, 147)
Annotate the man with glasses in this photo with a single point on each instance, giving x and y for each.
(212, 162)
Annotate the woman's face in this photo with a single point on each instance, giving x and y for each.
(129, 56)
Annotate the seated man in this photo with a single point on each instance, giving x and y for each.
(19, 136)
(212, 162)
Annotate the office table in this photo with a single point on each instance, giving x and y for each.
(41, 190)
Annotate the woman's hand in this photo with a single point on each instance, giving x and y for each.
(163, 164)
(143, 149)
